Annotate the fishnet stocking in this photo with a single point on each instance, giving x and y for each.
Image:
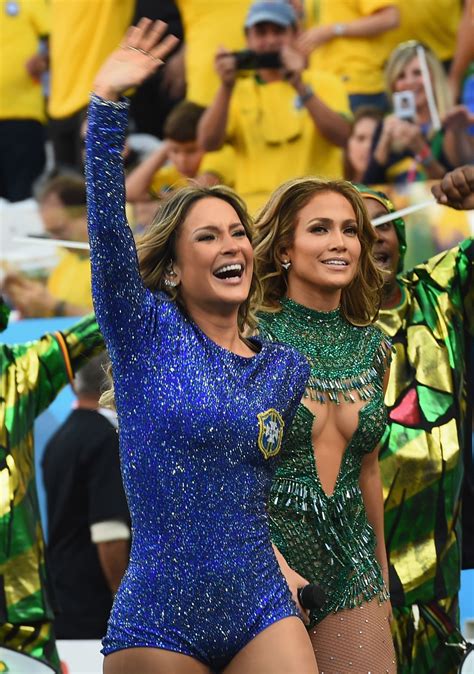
(355, 641)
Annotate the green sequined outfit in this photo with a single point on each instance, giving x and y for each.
(328, 539)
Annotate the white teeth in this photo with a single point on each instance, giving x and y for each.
(229, 267)
(338, 263)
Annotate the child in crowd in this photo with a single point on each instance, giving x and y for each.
(180, 159)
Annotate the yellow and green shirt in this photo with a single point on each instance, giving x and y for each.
(31, 376)
(423, 454)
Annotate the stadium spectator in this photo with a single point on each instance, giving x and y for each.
(62, 204)
(83, 33)
(350, 41)
(358, 148)
(282, 121)
(434, 24)
(153, 101)
(412, 149)
(22, 105)
(179, 159)
(207, 24)
(464, 54)
(88, 520)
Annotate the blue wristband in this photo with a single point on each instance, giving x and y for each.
(304, 98)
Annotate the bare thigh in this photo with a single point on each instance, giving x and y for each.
(151, 661)
(282, 648)
(356, 640)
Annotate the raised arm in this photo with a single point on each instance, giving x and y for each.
(117, 287)
(213, 123)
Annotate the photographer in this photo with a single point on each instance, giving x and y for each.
(408, 145)
(282, 120)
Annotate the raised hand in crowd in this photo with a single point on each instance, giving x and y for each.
(399, 136)
(140, 54)
(225, 64)
(293, 63)
(456, 189)
(32, 299)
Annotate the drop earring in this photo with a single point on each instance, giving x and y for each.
(170, 272)
(286, 265)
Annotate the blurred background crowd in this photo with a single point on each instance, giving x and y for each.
(377, 91)
(380, 92)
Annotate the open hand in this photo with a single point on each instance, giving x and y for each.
(140, 54)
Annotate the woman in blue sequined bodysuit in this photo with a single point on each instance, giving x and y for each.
(321, 295)
(201, 416)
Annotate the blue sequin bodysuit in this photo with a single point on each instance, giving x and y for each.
(200, 428)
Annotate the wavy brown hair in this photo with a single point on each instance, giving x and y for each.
(275, 227)
(156, 251)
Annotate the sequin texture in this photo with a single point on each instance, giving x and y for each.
(327, 538)
(197, 459)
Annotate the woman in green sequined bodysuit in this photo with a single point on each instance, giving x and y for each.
(321, 295)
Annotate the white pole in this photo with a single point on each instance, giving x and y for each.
(435, 120)
(403, 211)
(79, 245)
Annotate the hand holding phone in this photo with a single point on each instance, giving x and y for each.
(404, 105)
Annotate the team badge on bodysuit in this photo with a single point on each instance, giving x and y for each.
(270, 433)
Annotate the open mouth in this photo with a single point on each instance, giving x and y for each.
(381, 258)
(335, 262)
(229, 272)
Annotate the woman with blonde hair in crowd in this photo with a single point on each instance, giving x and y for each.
(321, 294)
(201, 415)
(410, 144)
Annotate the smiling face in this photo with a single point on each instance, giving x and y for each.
(410, 78)
(214, 258)
(386, 250)
(325, 250)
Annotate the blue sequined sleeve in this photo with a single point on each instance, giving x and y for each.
(123, 306)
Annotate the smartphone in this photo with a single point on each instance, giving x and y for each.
(404, 105)
(250, 60)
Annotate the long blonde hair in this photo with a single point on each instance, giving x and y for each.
(156, 251)
(401, 57)
(275, 227)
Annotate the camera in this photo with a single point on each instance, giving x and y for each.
(250, 60)
(404, 105)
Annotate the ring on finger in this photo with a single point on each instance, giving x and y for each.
(146, 53)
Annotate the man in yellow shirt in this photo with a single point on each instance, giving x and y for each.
(433, 23)
(83, 34)
(22, 114)
(207, 24)
(68, 291)
(350, 41)
(283, 122)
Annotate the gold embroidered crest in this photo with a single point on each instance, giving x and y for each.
(270, 432)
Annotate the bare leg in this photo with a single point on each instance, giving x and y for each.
(152, 661)
(282, 648)
(356, 640)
